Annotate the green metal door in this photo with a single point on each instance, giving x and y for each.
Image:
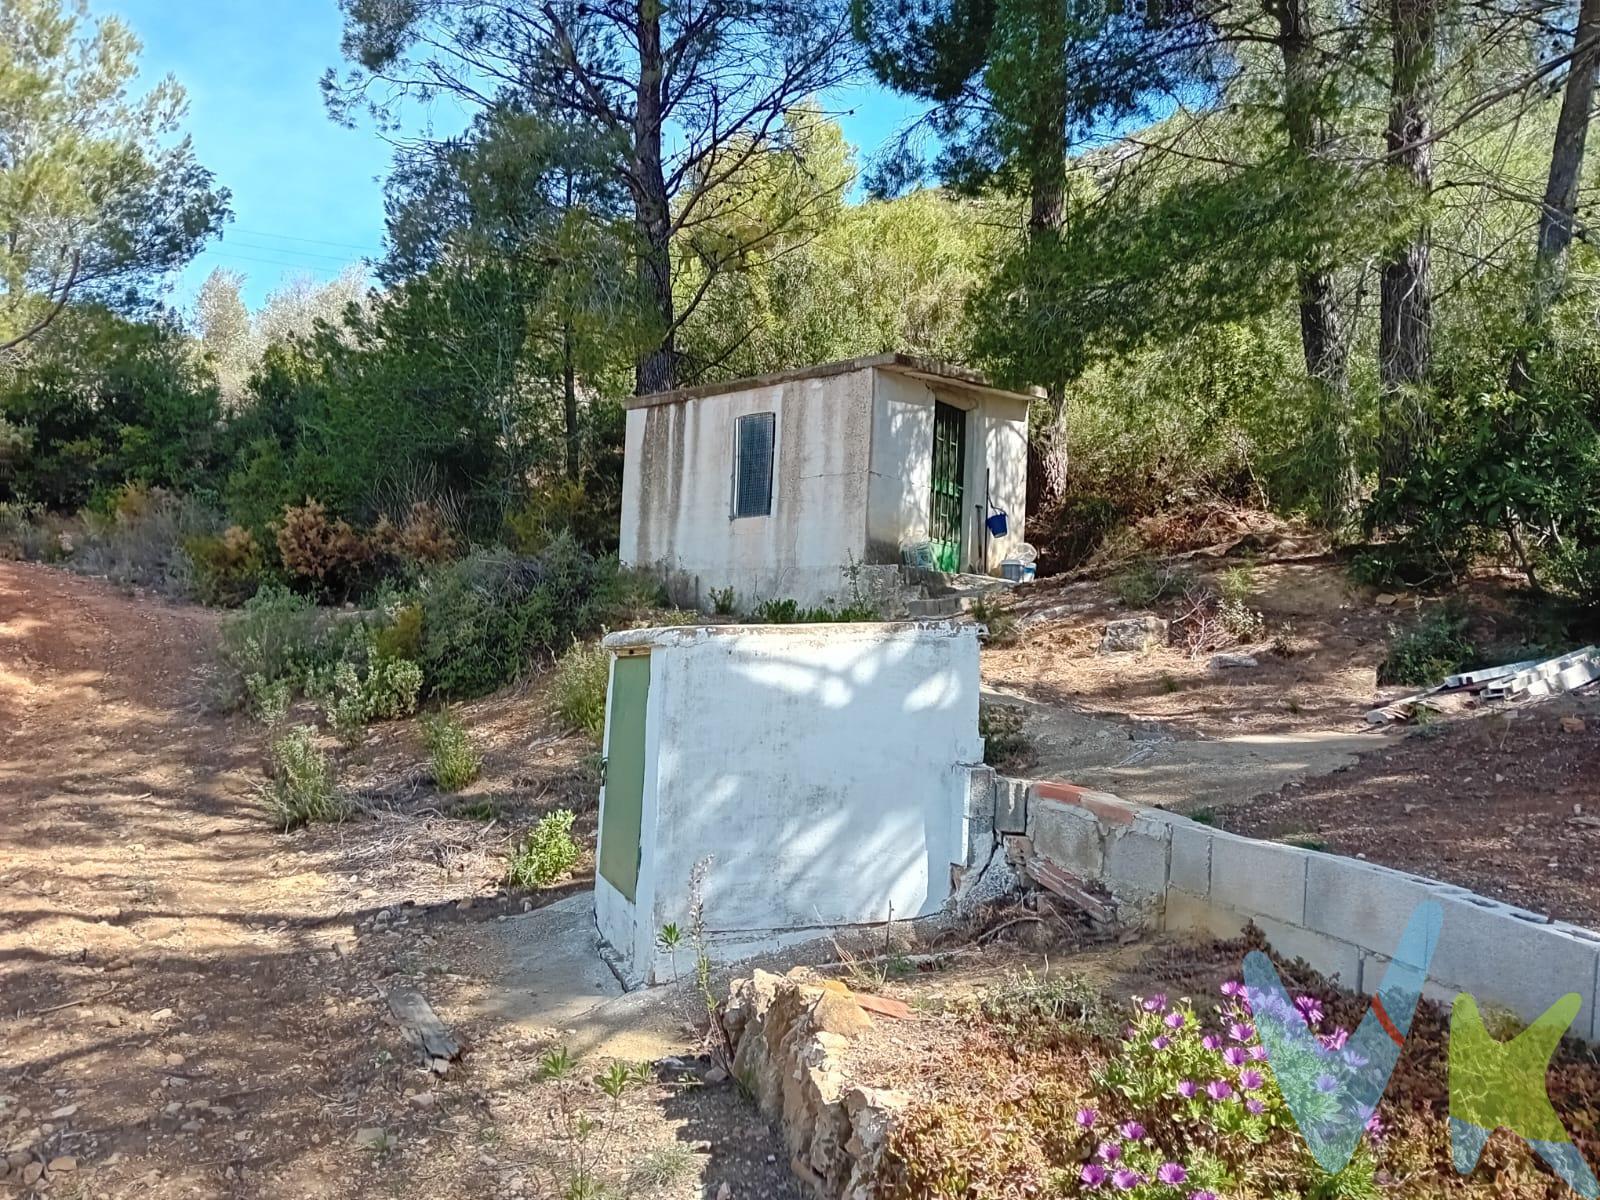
(949, 463)
(623, 814)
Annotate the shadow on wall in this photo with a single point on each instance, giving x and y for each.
(823, 769)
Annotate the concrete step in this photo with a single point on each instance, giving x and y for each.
(938, 583)
(937, 606)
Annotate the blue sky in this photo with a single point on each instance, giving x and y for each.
(307, 194)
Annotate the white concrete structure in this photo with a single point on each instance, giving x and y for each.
(824, 770)
(773, 486)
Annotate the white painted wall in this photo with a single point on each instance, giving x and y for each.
(823, 768)
(677, 491)
(902, 465)
(854, 462)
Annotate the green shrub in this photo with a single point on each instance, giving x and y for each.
(1142, 583)
(1433, 648)
(564, 508)
(1004, 742)
(789, 612)
(227, 566)
(303, 788)
(455, 762)
(353, 694)
(486, 616)
(578, 689)
(723, 601)
(1237, 584)
(277, 636)
(776, 612)
(546, 853)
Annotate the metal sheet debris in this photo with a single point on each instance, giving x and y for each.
(1511, 683)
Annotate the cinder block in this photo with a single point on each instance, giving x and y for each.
(1188, 913)
(980, 792)
(1069, 837)
(1010, 804)
(1191, 858)
(1136, 858)
(1333, 957)
(1503, 957)
(1362, 903)
(1263, 878)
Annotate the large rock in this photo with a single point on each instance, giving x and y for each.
(1133, 633)
(788, 1036)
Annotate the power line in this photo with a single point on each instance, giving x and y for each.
(275, 262)
(339, 258)
(288, 237)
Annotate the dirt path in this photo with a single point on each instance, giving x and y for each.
(191, 1004)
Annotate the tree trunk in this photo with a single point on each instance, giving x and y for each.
(657, 369)
(1047, 193)
(1557, 218)
(1405, 313)
(569, 403)
(1322, 335)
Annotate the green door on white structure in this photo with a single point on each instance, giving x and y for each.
(949, 464)
(622, 818)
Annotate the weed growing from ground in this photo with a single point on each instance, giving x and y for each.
(1005, 744)
(1424, 654)
(455, 762)
(578, 689)
(303, 787)
(1002, 623)
(546, 853)
(583, 1143)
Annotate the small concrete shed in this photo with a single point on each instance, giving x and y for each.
(776, 486)
(822, 773)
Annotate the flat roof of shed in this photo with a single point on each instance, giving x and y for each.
(931, 369)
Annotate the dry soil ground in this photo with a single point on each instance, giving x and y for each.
(191, 1004)
(1507, 803)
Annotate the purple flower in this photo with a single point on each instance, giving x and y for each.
(1160, 1042)
(1129, 1034)
(1355, 1058)
(1250, 1080)
(1327, 1083)
(1234, 1056)
(1174, 1019)
(1202, 1195)
(1211, 1042)
(1240, 1032)
(1310, 1008)
(1171, 1173)
(1126, 1180)
(1254, 1107)
(1219, 1089)
(1109, 1151)
(1233, 988)
(1187, 1089)
(1093, 1174)
(1086, 1118)
(1376, 1127)
(1257, 1053)
(1131, 1130)
(1156, 1003)
(1336, 1039)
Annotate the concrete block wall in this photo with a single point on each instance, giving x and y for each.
(1341, 915)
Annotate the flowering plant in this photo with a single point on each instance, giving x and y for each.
(1198, 1112)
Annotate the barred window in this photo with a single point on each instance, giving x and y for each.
(752, 468)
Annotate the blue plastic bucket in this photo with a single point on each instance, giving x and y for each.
(997, 524)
